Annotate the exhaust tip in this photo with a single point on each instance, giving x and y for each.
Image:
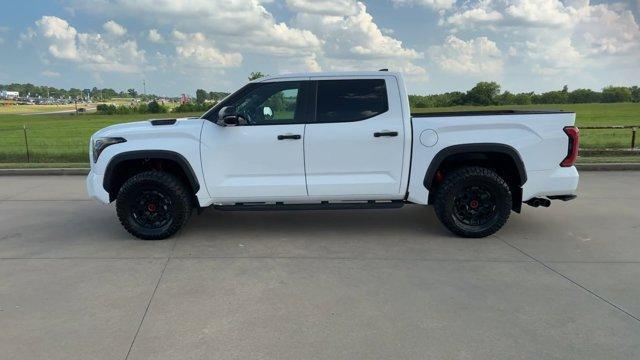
(537, 202)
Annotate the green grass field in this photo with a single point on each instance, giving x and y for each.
(25, 109)
(63, 138)
(57, 137)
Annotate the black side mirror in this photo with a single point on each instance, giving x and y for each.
(228, 116)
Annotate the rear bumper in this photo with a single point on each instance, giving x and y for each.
(562, 182)
(95, 189)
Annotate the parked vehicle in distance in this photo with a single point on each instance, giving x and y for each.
(333, 141)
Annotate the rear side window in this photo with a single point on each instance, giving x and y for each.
(351, 100)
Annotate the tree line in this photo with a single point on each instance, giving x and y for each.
(483, 93)
(203, 96)
(72, 93)
(488, 93)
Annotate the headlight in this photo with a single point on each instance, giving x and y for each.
(100, 144)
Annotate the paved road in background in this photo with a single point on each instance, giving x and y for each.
(557, 283)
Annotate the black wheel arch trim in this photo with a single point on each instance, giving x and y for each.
(475, 148)
(151, 154)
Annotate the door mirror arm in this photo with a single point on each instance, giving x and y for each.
(228, 117)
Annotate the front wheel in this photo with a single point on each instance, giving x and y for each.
(153, 205)
(473, 202)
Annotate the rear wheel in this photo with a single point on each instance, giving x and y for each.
(153, 205)
(473, 202)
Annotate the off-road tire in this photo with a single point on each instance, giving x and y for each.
(456, 186)
(171, 192)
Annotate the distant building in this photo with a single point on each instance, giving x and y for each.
(4, 94)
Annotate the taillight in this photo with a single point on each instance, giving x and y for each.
(574, 142)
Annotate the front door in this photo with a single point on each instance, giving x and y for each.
(355, 147)
(261, 159)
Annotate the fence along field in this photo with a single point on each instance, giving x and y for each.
(64, 138)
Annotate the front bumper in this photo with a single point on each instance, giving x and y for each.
(95, 189)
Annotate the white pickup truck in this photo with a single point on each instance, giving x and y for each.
(333, 141)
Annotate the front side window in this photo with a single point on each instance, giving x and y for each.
(351, 100)
(269, 104)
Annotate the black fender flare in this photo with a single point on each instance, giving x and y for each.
(150, 154)
(475, 148)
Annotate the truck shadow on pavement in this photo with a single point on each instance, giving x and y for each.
(407, 221)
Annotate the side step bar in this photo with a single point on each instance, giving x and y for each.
(325, 205)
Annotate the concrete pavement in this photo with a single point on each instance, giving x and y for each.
(557, 283)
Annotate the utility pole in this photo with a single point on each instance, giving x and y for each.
(144, 87)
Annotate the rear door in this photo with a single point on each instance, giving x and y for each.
(354, 147)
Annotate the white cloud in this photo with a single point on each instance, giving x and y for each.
(552, 56)
(603, 31)
(155, 36)
(356, 42)
(90, 51)
(324, 7)
(479, 56)
(114, 28)
(195, 49)
(243, 24)
(325, 34)
(61, 36)
(474, 15)
(434, 4)
(26, 37)
(549, 36)
(49, 73)
(539, 12)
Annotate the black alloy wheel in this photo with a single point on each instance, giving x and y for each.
(473, 202)
(153, 205)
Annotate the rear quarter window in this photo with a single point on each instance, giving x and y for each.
(350, 100)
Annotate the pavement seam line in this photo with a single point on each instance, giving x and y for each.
(144, 315)
(12, 196)
(272, 258)
(571, 280)
(175, 241)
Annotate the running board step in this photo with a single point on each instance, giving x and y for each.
(319, 206)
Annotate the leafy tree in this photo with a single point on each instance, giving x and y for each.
(635, 93)
(256, 75)
(217, 95)
(551, 97)
(484, 93)
(154, 108)
(201, 96)
(612, 94)
(523, 98)
(584, 96)
(132, 93)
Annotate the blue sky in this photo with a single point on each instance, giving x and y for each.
(177, 46)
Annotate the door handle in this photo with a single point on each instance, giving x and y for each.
(289, 137)
(385, 133)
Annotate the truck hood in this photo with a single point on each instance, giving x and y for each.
(160, 128)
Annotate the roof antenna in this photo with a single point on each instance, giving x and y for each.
(383, 70)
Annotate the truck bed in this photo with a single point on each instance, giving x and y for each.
(487, 113)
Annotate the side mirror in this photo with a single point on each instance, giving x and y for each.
(267, 112)
(228, 116)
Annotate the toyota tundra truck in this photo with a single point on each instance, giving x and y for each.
(333, 141)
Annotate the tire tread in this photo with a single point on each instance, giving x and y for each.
(444, 194)
(183, 198)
